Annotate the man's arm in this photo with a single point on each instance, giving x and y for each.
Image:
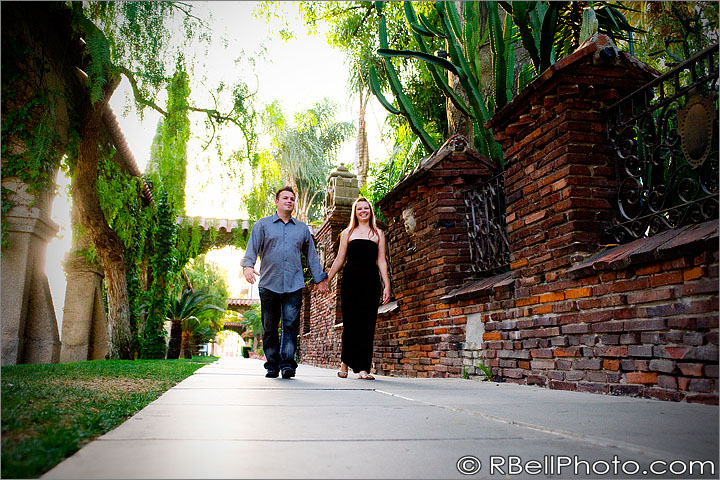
(251, 252)
(318, 274)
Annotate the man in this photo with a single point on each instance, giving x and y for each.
(279, 240)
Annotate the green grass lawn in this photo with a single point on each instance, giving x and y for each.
(50, 411)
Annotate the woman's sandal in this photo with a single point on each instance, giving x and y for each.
(365, 376)
(342, 374)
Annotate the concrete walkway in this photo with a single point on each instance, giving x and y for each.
(229, 421)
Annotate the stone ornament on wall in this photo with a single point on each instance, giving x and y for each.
(409, 219)
(342, 189)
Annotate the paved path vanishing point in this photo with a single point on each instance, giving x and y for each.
(229, 421)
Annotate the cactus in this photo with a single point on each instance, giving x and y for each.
(405, 108)
(461, 64)
(536, 22)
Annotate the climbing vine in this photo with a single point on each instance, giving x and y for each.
(168, 158)
(30, 146)
(164, 266)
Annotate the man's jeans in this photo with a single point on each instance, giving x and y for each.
(276, 307)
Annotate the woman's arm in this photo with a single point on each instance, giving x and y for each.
(382, 265)
(340, 259)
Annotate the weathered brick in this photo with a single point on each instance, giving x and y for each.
(611, 351)
(693, 273)
(665, 351)
(608, 327)
(641, 377)
(627, 364)
(566, 352)
(693, 338)
(542, 364)
(665, 395)
(629, 339)
(578, 292)
(613, 365)
(708, 399)
(576, 328)
(563, 364)
(627, 390)
(542, 353)
(640, 350)
(708, 353)
(691, 369)
(538, 380)
(593, 376)
(588, 364)
(593, 387)
(703, 385)
(513, 354)
(512, 373)
(667, 381)
(645, 324)
(557, 385)
(610, 339)
(665, 366)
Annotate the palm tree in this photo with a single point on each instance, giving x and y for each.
(184, 315)
(307, 151)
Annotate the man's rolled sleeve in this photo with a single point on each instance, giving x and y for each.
(313, 260)
(251, 251)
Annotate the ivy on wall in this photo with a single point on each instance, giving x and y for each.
(29, 125)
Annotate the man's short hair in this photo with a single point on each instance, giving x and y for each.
(285, 189)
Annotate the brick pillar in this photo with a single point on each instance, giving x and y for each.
(560, 165)
(320, 344)
(430, 255)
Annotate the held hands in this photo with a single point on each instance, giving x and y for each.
(386, 295)
(250, 273)
(323, 287)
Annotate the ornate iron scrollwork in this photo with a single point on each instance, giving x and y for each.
(485, 214)
(666, 145)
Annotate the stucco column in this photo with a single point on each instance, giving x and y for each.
(84, 329)
(29, 327)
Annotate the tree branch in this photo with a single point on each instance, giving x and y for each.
(136, 92)
(367, 14)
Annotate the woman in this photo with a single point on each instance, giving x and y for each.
(363, 245)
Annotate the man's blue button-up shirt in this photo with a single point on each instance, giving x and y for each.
(279, 245)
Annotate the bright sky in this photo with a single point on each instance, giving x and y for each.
(298, 72)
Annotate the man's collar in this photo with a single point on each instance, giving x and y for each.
(276, 218)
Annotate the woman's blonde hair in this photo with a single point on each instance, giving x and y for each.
(354, 220)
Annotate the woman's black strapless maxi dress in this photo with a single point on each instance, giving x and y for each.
(360, 297)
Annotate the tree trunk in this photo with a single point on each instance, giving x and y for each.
(175, 340)
(186, 347)
(458, 122)
(106, 241)
(362, 156)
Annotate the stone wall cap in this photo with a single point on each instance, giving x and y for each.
(594, 45)
(485, 286)
(341, 171)
(454, 145)
(388, 307)
(690, 239)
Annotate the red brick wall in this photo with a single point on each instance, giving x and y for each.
(644, 325)
(421, 337)
(320, 346)
(649, 328)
